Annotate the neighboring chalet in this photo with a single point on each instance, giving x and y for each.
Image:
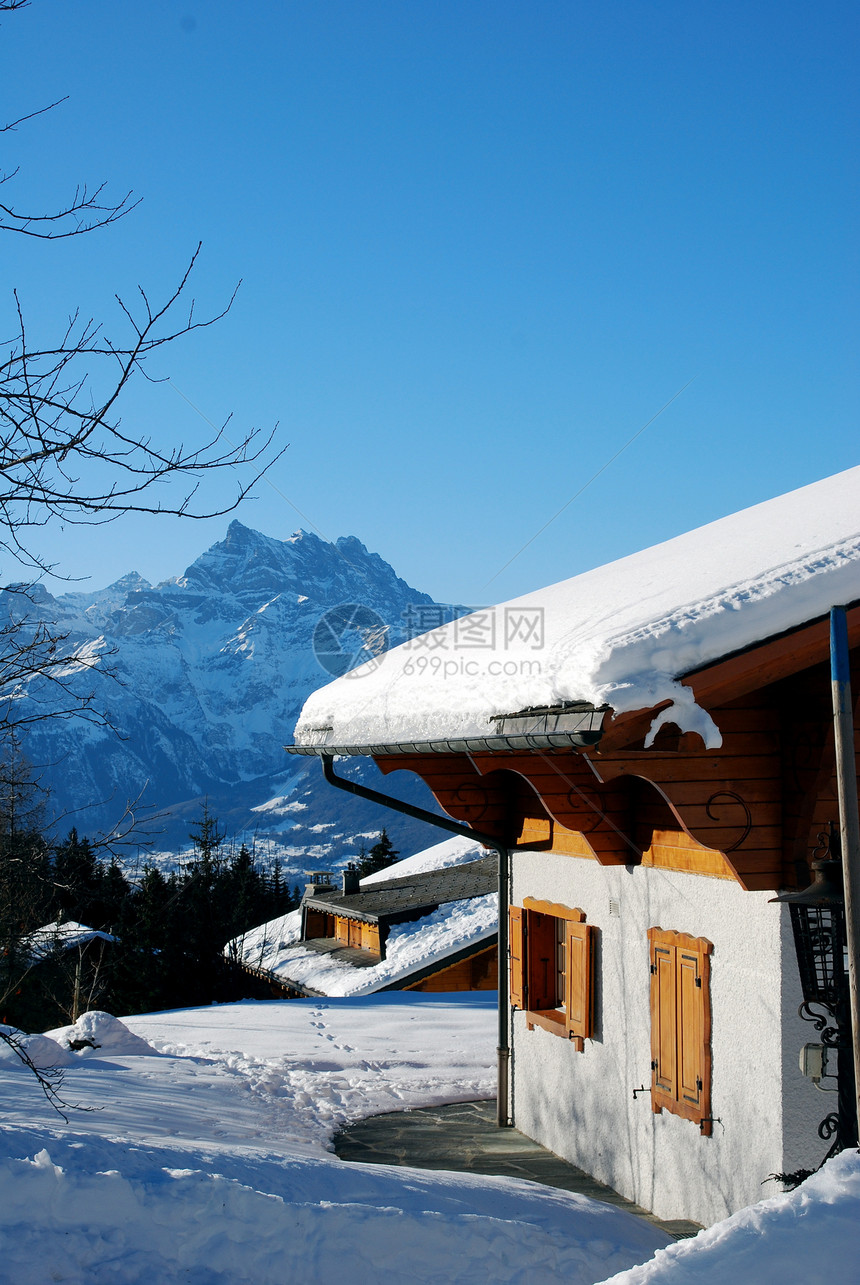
(68, 961)
(651, 744)
(63, 935)
(426, 923)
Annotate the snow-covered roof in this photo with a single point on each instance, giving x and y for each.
(410, 948)
(52, 939)
(620, 635)
(401, 896)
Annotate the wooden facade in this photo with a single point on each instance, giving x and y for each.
(478, 973)
(747, 811)
(356, 933)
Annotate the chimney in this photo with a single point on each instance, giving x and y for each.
(350, 880)
(320, 881)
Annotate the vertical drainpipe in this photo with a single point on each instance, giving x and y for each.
(503, 1114)
(455, 827)
(849, 824)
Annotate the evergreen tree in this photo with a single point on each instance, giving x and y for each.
(26, 888)
(77, 878)
(382, 854)
(207, 839)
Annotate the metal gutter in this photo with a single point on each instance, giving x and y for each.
(466, 745)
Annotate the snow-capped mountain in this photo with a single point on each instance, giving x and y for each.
(204, 675)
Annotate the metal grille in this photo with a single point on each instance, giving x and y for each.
(819, 939)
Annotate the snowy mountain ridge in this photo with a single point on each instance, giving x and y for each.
(204, 675)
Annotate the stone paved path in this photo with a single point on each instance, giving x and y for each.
(466, 1139)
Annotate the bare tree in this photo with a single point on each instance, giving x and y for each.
(65, 453)
(66, 456)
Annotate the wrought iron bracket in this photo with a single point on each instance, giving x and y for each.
(832, 1035)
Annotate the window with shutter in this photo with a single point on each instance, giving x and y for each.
(552, 968)
(681, 1025)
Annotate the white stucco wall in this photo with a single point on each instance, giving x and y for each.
(581, 1105)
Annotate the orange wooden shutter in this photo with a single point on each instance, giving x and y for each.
(516, 943)
(681, 1025)
(689, 1027)
(664, 1073)
(579, 981)
(694, 1036)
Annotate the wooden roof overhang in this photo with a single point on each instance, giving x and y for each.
(747, 811)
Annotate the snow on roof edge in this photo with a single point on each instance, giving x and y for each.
(622, 634)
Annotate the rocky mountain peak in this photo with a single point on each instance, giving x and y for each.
(209, 672)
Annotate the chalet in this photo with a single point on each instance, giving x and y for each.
(427, 923)
(649, 748)
(66, 966)
(63, 935)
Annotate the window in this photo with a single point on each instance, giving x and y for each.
(681, 1026)
(552, 968)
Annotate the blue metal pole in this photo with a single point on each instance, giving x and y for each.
(849, 814)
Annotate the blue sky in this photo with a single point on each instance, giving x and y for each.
(481, 244)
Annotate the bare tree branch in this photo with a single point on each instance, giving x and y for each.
(38, 111)
(49, 1078)
(84, 213)
(66, 456)
(56, 426)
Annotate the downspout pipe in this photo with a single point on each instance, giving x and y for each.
(849, 820)
(489, 841)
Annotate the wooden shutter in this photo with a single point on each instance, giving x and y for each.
(694, 1034)
(579, 982)
(516, 944)
(664, 1078)
(681, 1025)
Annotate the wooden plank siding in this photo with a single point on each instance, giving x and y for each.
(480, 973)
(318, 923)
(748, 810)
(345, 931)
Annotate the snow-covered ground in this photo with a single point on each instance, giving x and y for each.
(203, 1157)
(199, 1153)
(807, 1237)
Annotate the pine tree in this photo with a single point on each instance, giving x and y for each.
(26, 887)
(207, 839)
(77, 877)
(382, 854)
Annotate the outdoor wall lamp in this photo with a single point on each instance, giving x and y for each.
(818, 924)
